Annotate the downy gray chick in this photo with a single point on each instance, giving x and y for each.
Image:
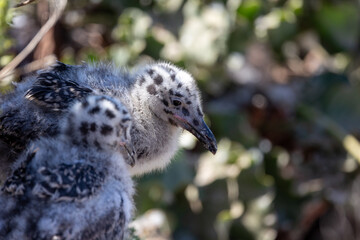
(74, 186)
(162, 99)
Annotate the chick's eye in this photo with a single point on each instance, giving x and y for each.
(176, 102)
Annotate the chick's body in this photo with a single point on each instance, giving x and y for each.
(75, 185)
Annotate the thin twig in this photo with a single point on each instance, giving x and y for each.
(26, 2)
(33, 66)
(58, 7)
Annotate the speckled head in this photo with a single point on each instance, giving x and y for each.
(175, 98)
(101, 122)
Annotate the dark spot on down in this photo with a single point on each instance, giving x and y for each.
(158, 80)
(94, 110)
(84, 128)
(109, 114)
(178, 94)
(116, 107)
(199, 112)
(125, 120)
(171, 92)
(165, 102)
(85, 103)
(124, 111)
(93, 127)
(106, 129)
(185, 112)
(179, 85)
(142, 80)
(97, 144)
(151, 89)
(150, 71)
(196, 122)
(189, 102)
(168, 111)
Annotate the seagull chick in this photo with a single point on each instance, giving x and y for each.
(163, 100)
(75, 185)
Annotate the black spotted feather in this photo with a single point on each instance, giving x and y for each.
(54, 92)
(66, 182)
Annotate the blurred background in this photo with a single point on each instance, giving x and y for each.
(280, 86)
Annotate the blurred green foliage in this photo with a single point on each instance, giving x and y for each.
(6, 15)
(280, 82)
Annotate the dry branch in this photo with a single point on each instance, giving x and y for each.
(58, 7)
(26, 2)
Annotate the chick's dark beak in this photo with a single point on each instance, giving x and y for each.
(204, 135)
(201, 131)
